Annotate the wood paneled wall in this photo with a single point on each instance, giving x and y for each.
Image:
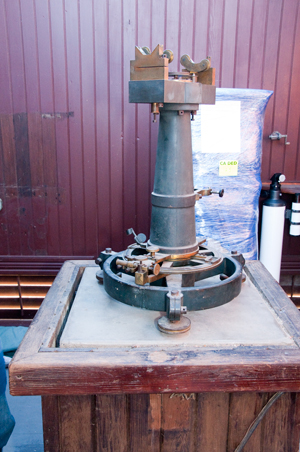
(76, 159)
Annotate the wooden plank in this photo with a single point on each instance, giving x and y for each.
(16, 56)
(294, 422)
(201, 29)
(4, 242)
(5, 91)
(102, 124)
(50, 181)
(31, 69)
(22, 154)
(44, 55)
(277, 426)
(87, 71)
(143, 127)
(171, 30)
(244, 409)
(291, 168)
(12, 212)
(63, 371)
(59, 297)
(75, 127)
(276, 297)
(212, 421)
(244, 21)
(228, 44)
(178, 422)
(216, 11)
(257, 40)
(112, 423)
(77, 423)
(186, 28)
(201, 370)
(144, 422)
(129, 122)
(8, 150)
(39, 192)
(282, 88)
(115, 123)
(24, 182)
(269, 79)
(61, 125)
(36, 149)
(51, 425)
(9, 225)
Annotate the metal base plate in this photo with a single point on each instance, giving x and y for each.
(180, 326)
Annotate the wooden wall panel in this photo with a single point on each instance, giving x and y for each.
(116, 64)
(72, 39)
(210, 422)
(129, 127)
(80, 169)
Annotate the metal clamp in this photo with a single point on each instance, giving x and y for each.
(277, 136)
(174, 305)
(207, 192)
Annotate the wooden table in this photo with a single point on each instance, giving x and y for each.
(143, 398)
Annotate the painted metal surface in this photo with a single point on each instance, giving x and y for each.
(76, 159)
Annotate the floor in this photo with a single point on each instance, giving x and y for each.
(28, 432)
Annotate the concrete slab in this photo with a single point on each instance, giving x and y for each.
(96, 320)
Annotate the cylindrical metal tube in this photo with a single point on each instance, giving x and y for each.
(173, 200)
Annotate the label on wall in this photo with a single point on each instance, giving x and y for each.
(228, 167)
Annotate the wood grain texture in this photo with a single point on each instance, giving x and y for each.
(277, 426)
(178, 417)
(112, 423)
(243, 410)
(76, 432)
(51, 423)
(212, 421)
(40, 368)
(144, 422)
(102, 81)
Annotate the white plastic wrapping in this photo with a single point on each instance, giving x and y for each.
(227, 148)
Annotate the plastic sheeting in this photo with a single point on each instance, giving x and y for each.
(227, 148)
(11, 337)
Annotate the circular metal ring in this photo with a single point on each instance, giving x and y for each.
(153, 297)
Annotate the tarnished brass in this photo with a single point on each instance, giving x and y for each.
(169, 54)
(207, 77)
(141, 277)
(155, 269)
(189, 64)
(155, 110)
(167, 326)
(129, 264)
(149, 66)
(204, 73)
(182, 257)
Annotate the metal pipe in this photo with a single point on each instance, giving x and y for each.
(173, 198)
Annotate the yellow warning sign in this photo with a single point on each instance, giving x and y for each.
(228, 167)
